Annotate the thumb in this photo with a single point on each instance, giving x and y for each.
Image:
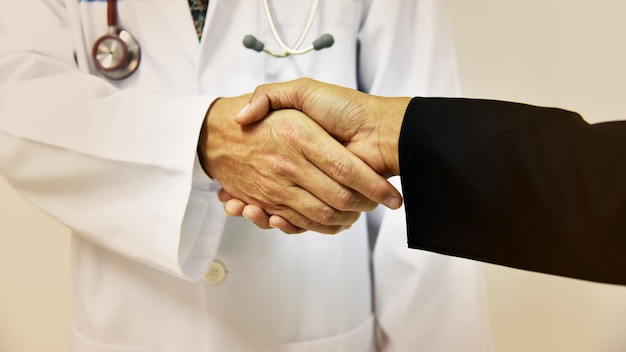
(255, 110)
(268, 97)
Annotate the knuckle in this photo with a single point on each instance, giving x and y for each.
(345, 200)
(282, 166)
(328, 216)
(305, 223)
(288, 129)
(267, 189)
(342, 170)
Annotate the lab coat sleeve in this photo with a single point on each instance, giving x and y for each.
(116, 166)
(518, 185)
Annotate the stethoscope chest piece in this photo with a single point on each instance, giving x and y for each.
(116, 54)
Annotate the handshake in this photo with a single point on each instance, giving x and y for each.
(303, 155)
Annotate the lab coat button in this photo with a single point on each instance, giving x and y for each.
(216, 273)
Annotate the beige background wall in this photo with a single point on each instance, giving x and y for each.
(567, 53)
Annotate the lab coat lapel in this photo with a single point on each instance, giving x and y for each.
(178, 17)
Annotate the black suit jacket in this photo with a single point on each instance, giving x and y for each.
(517, 185)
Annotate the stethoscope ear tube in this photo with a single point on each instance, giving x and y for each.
(325, 41)
(116, 54)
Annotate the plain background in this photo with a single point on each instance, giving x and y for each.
(565, 53)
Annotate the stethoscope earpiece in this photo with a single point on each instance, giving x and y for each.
(325, 41)
(117, 53)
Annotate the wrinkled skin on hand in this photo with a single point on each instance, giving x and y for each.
(367, 125)
(281, 164)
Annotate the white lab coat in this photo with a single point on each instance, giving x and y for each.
(115, 162)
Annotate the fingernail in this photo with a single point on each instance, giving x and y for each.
(244, 109)
(393, 203)
(243, 213)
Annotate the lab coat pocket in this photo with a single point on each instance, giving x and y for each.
(81, 343)
(359, 339)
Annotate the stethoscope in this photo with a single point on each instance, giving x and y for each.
(325, 41)
(117, 53)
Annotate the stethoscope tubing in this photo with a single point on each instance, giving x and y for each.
(295, 50)
(112, 13)
(324, 41)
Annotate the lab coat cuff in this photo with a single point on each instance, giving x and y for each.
(201, 233)
(190, 252)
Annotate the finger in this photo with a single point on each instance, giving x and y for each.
(275, 194)
(285, 216)
(277, 222)
(329, 193)
(272, 97)
(323, 102)
(349, 170)
(346, 170)
(255, 110)
(224, 196)
(314, 156)
(261, 219)
(315, 214)
(234, 207)
(293, 197)
(302, 223)
(257, 216)
(298, 200)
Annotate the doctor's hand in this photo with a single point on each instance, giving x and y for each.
(368, 125)
(289, 166)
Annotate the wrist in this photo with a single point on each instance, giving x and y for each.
(392, 117)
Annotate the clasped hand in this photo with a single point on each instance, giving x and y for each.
(303, 155)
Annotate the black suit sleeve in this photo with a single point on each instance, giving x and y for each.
(517, 185)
